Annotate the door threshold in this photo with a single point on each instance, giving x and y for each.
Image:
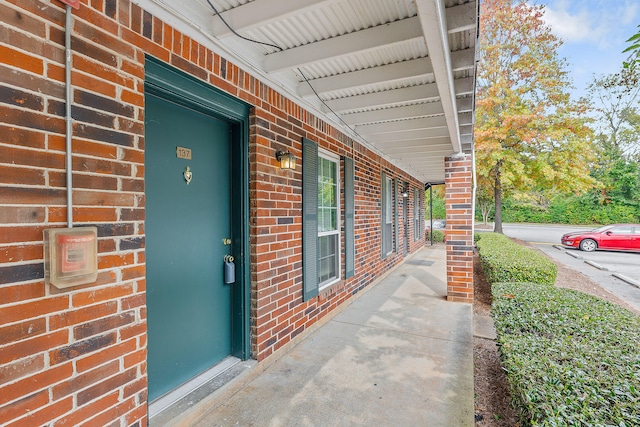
(176, 402)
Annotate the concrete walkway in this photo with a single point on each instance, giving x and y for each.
(398, 355)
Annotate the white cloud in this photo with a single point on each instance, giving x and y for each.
(570, 28)
(598, 22)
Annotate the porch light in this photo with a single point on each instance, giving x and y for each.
(287, 160)
(405, 192)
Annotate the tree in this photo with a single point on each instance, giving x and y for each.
(529, 135)
(485, 202)
(616, 104)
(615, 99)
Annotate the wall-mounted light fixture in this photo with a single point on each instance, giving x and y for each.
(405, 191)
(287, 160)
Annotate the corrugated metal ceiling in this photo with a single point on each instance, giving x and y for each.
(369, 63)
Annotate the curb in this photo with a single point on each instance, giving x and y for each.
(576, 256)
(596, 265)
(626, 279)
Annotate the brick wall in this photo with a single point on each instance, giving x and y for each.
(458, 204)
(75, 356)
(78, 356)
(278, 312)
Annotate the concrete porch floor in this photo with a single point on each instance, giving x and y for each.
(398, 355)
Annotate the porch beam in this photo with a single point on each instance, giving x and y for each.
(254, 14)
(432, 18)
(409, 135)
(375, 75)
(368, 39)
(400, 125)
(461, 17)
(397, 113)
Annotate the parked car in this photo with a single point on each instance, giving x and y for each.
(625, 237)
(438, 224)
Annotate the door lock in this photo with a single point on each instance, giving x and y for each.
(229, 270)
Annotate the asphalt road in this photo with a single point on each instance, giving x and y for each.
(618, 272)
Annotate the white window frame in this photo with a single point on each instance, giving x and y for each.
(388, 214)
(326, 155)
(416, 214)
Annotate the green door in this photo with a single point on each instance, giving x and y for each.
(189, 305)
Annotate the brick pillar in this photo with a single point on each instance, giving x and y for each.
(459, 206)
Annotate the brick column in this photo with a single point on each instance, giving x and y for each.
(459, 207)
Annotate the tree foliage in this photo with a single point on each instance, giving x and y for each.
(616, 108)
(529, 135)
(615, 99)
(634, 51)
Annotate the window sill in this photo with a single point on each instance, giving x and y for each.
(326, 288)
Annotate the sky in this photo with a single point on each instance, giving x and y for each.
(594, 34)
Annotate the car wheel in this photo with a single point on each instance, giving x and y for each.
(588, 245)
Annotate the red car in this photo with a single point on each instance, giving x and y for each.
(623, 237)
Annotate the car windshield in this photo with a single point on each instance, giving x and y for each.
(601, 229)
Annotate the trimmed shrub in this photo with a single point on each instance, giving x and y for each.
(438, 236)
(503, 260)
(571, 359)
(584, 209)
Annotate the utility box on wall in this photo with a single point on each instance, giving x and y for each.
(70, 256)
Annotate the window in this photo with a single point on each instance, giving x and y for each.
(328, 219)
(387, 215)
(321, 219)
(621, 230)
(417, 230)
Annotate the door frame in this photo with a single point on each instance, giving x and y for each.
(165, 81)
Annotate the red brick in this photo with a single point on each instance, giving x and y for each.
(86, 412)
(101, 198)
(84, 380)
(91, 83)
(93, 295)
(133, 302)
(113, 260)
(80, 348)
(39, 381)
(35, 158)
(12, 135)
(106, 386)
(70, 318)
(110, 417)
(44, 415)
(20, 368)
(23, 406)
(32, 346)
(21, 60)
(15, 313)
(135, 387)
(99, 326)
(16, 293)
(105, 355)
(20, 331)
(138, 416)
(22, 215)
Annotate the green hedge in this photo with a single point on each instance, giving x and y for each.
(583, 209)
(571, 359)
(503, 260)
(438, 236)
